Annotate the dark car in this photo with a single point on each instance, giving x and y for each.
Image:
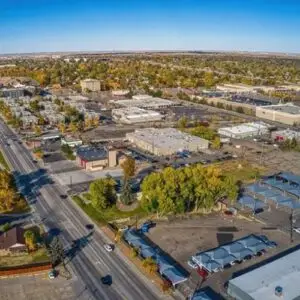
(63, 196)
(107, 280)
(89, 226)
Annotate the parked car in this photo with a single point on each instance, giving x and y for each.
(108, 247)
(297, 229)
(52, 274)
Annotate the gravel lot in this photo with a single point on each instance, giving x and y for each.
(183, 238)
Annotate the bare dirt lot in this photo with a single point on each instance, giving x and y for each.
(183, 238)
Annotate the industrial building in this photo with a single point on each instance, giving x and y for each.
(236, 88)
(286, 134)
(135, 115)
(90, 84)
(12, 93)
(166, 141)
(244, 130)
(144, 101)
(94, 159)
(275, 280)
(283, 113)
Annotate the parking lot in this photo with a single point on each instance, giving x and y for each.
(40, 287)
(184, 238)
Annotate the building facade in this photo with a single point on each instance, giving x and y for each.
(93, 85)
(283, 113)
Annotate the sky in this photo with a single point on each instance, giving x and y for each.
(121, 25)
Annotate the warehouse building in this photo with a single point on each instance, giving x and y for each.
(90, 84)
(144, 101)
(275, 280)
(283, 113)
(286, 134)
(166, 141)
(244, 130)
(134, 115)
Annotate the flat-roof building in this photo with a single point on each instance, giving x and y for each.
(93, 85)
(144, 101)
(134, 115)
(166, 141)
(275, 280)
(282, 113)
(286, 134)
(244, 130)
(13, 92)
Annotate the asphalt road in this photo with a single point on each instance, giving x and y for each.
(90, 261)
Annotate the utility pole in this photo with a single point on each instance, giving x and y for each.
(291, 225)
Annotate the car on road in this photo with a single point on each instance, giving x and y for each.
(52, 274)
(297, 229)
(34, 161)
(192, 264)
(108, 247)
(63, 196)
(89, 226)
(107, 280)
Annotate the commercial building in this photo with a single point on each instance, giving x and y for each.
(286, 134)
(12, 93)
(120, 93)
(135, 115)
(71, 142)
(274, 281)
(94, 159)
(283, 113)
(166, 141)
(244, 130)
(144, 101)
(236, 88)
(91, 85)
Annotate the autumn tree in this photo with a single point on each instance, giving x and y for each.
(62, 127)
(128, 167)
(30, 240)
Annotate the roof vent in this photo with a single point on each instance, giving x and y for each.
(278, 291)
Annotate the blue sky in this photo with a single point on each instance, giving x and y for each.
(104, 25)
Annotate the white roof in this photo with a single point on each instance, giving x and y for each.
(245, 128)
(261, 282)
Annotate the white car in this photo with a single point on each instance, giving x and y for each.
(297, 229)
(108, 247)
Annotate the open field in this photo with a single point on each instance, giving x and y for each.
(184, 238)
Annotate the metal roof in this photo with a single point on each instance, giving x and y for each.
(261, 282)
(92, 154)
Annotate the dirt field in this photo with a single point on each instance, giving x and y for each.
(183, 238)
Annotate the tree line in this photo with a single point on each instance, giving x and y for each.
(186, 189)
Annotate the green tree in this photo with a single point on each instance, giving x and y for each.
(208, 79)
(182, 122)
(37, 130)
(5, 227)
(103, 193)
(128, 167)
(126, 194)
(56, 251)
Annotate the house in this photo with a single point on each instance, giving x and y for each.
(12, 241)
(94, 159)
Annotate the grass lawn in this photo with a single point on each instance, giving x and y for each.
(3, 161)
(242, 170)
(24, 259)
(109, 215)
